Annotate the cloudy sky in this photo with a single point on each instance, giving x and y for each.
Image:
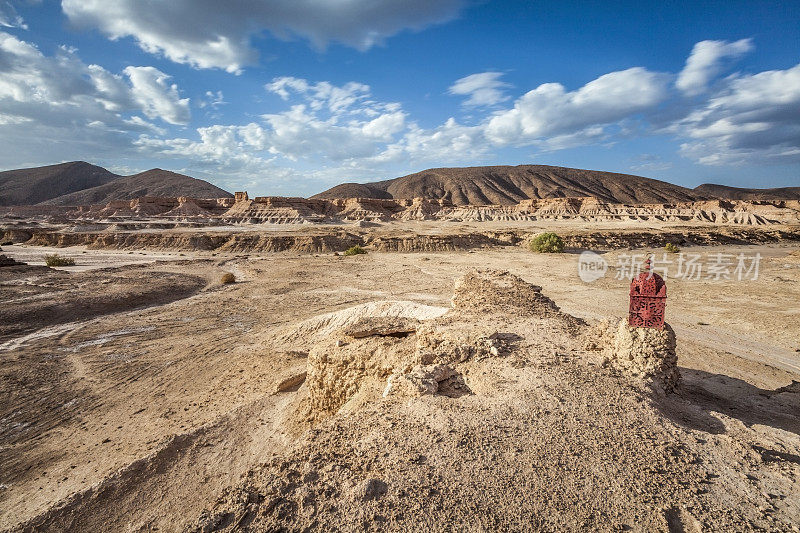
(294, 96)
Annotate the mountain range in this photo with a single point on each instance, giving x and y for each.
(738, 193)
(507, 185)
(81, 183)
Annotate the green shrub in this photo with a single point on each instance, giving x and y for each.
(55, 260)
(355, 250)
(227, 278)
(672, 248)
(547, 243)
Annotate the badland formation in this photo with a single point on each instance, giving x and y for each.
(393, 356)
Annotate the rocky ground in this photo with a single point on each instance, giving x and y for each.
(376, 392)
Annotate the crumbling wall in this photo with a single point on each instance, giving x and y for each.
(396, 355)
(643, 353)
(356, 357)
(499, 291)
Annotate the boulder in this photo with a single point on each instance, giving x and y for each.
(7, 261)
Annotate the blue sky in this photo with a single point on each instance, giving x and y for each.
(289, 97)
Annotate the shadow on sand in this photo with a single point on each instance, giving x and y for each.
(702, 395)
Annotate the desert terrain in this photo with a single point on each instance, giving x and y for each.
(446, 266)
(448, 379)
(140, 394)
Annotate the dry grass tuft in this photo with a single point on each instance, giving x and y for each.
(55, 260)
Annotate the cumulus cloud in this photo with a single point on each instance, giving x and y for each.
(57, 102)
(483, 89)
(334, 131)
(40, 85)
(299, 133)
(321, 94)
(156, 98)
(226, 148)
(213, 34)
(448, 143)
(706, 62)
(336, 122)
(550, 110)
(754, 118)
(326, 132)
(746, 118)
(322, 124)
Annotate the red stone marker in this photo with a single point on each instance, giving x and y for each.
(648, 299)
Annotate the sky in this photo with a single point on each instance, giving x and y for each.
(291, 97)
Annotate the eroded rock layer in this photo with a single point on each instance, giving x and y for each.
(284, 210)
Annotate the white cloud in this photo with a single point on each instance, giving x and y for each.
(343, 129)
(336, 132)
(754, 118)
(646, 163)
(706, 62)
(325, 133)
(59, 107)
(550, 110)
(156, 98)
(33, 83)
(321, 94)
(483, 89)
(336, 123)
(329, 123)
(213, 100)
(582, 137)
(300, 133)
(385, 126)
(9, 17)
(28, 76)
(450, 143)
(228, 148)
(214, 34)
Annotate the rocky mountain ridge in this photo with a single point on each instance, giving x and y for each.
(79, 183)
(28, 186)
(509, 185)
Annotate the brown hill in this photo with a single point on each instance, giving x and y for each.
(739, 193)
(28, 186)
(507, 185)
(155, 182)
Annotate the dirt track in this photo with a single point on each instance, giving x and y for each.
(142, 417)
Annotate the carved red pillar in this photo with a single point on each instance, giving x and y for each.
(648, 300)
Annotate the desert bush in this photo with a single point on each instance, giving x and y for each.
(547, 243)
(227, 277)
(672, 248)
(55, 260)
(355, 250)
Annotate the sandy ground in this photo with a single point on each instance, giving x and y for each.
(86, 259)
(138, 415)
